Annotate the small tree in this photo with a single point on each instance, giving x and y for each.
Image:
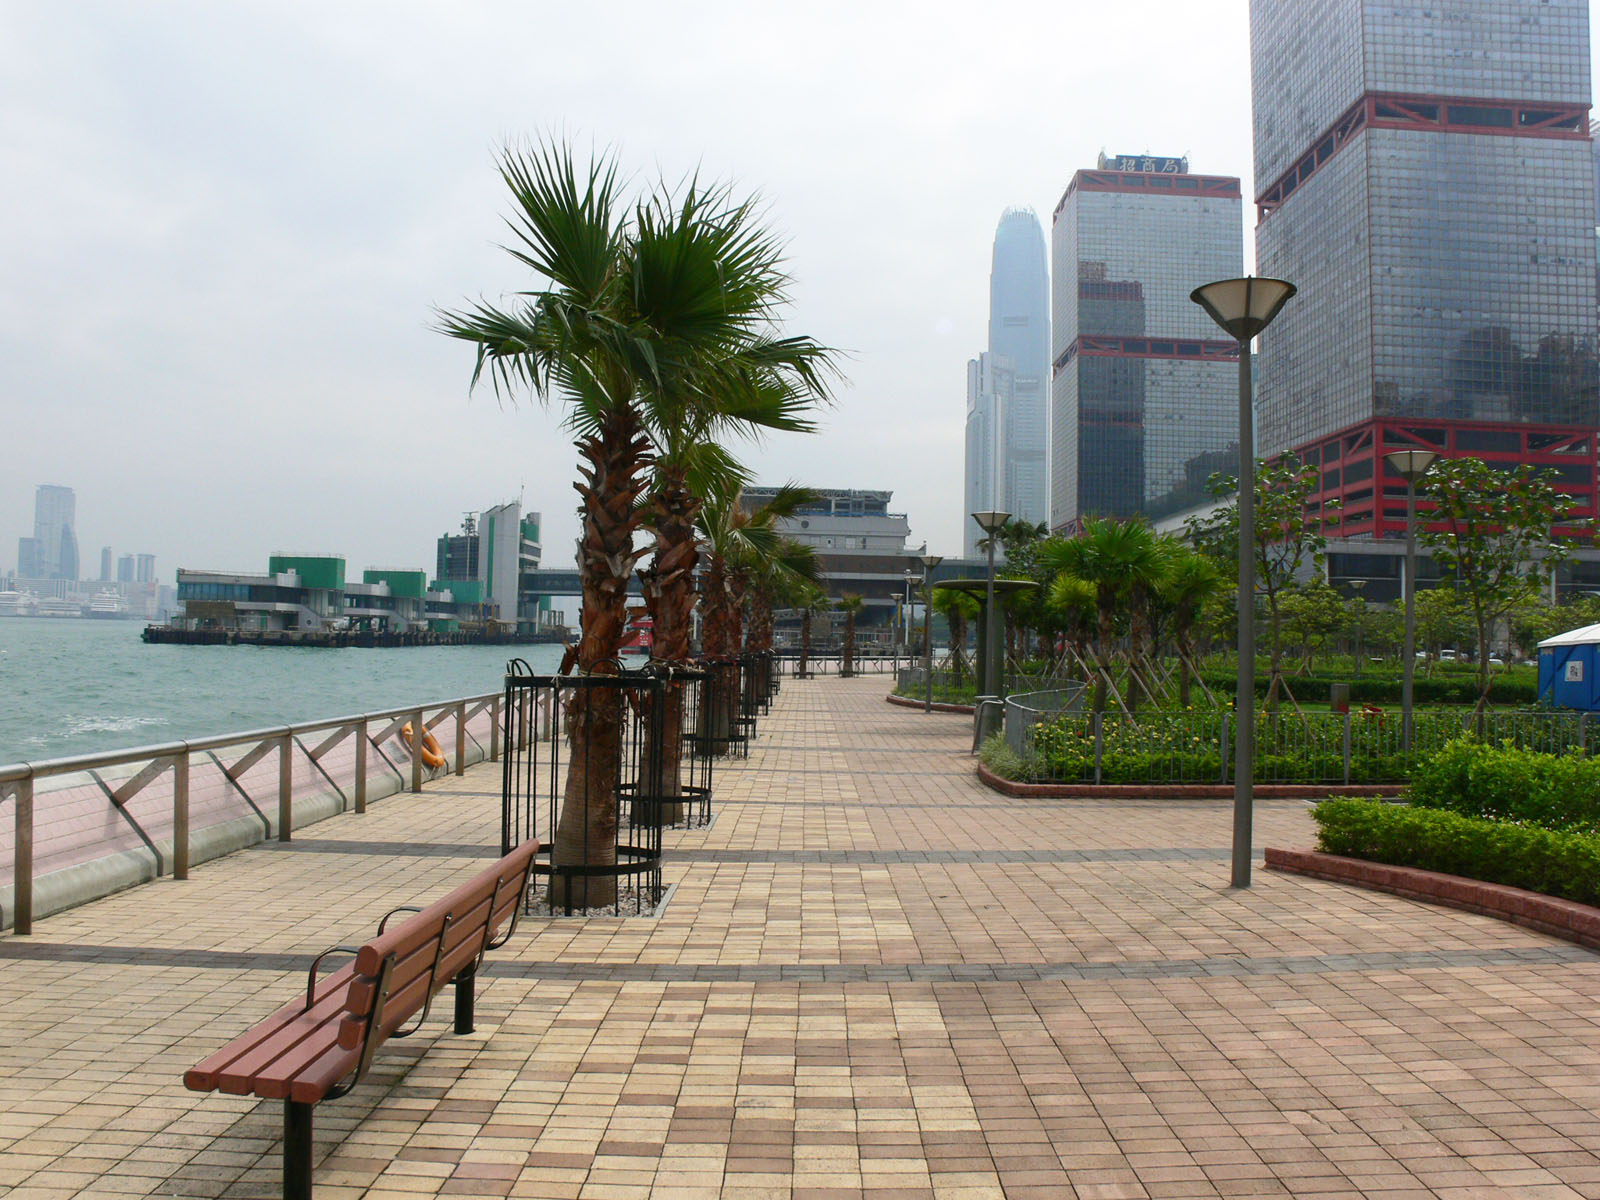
(1495, 532)
(1312, 614)
(1289, 540)
(957, 608)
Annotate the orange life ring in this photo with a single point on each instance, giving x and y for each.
(432, 756)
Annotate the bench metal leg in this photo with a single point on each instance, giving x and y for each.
(296, 1150)
(464, 1000)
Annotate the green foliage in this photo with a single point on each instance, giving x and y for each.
(1005, 762)
(1494, 531)
(1312, 614)
(1506, 783)
(1553, 862)
(1288, 538)
(1373, 687)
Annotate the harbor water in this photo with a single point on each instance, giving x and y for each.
(81, 686)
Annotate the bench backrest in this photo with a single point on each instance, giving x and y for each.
(430, 948)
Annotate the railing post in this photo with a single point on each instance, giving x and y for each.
(1099, 742)
(362, 742)
(22, 878)
(180, 814)
(1347, 747)
(461, 737)
(417, 734)
(494, 730)
(285, 786)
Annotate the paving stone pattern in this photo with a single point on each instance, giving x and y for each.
(874, 978)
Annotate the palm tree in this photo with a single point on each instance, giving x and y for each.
(812, 600)
(1114, 556)
(957, 608)
(1190, 583)
(625, 328)
(850, 604)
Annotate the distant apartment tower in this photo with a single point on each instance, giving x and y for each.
(52, 551)
(1144, 389)
(125, 569)
(105, 564)
(1007, 446)
(145, 568)
(1427, 180)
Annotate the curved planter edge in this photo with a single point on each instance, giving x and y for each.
(907, 702)
(1546, 914)
(1178, 791)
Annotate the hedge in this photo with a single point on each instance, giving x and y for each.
(1556, 791)
(1553, 862)
(1376, 689)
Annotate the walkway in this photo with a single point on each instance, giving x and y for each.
(875, 977)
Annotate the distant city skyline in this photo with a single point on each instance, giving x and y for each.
(242, 359)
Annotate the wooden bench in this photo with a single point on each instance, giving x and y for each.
(319, 1046)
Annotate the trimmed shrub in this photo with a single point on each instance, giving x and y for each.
(1553, 862)
(1509, 784)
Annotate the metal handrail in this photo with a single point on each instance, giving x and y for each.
(19, 778)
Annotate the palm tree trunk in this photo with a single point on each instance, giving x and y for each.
(668, 586)
(612, 463)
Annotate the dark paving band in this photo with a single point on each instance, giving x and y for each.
(844, 973)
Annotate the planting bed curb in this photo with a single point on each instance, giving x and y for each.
(1181, 791)
(938, 706)
(1548, 914)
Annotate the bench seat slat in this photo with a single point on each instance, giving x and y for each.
(283, 1027)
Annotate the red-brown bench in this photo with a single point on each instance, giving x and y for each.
(319, 1046)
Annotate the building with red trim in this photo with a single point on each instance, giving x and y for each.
(1425, 176)
(1144, 392)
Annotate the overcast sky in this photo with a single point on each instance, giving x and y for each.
(225, 228)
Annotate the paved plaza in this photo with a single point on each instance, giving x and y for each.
(874, 977)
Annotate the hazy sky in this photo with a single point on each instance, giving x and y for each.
(226, 227)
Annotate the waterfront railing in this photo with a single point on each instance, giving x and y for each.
(92, 824)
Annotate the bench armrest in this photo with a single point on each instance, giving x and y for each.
(311, 976)
(411, 908)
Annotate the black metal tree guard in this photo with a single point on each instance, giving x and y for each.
(685, 779)
(718, 731)
(587, 749)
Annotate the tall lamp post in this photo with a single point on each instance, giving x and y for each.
(1410, 465)
(991, 523)
(905, 621)
(1244, 307)
(928, 562)
(1355, 586)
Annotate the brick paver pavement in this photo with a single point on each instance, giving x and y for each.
(875, 977)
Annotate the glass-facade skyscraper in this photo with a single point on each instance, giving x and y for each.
(1144, 391)
(52, 551)
(1426, 179)
(1007, 461)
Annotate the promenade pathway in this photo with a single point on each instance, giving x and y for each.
(875, 977)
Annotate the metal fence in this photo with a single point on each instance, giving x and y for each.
(94, 823)
(1024, 710)
(1290, 747)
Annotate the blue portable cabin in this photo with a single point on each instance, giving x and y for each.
(1569, 669)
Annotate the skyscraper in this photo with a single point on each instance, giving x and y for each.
(991, 385)
(55, 534)
(1144, 394)
(105, 564)
(145, 568)
(1007, 447)
(1426, 180)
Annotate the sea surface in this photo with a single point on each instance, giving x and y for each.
(85, 686)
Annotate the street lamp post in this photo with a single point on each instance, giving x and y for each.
(1355, 586)
(1244, 307)
(928, 562)
(905, 621)
(1410, 465)
(993, 677)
